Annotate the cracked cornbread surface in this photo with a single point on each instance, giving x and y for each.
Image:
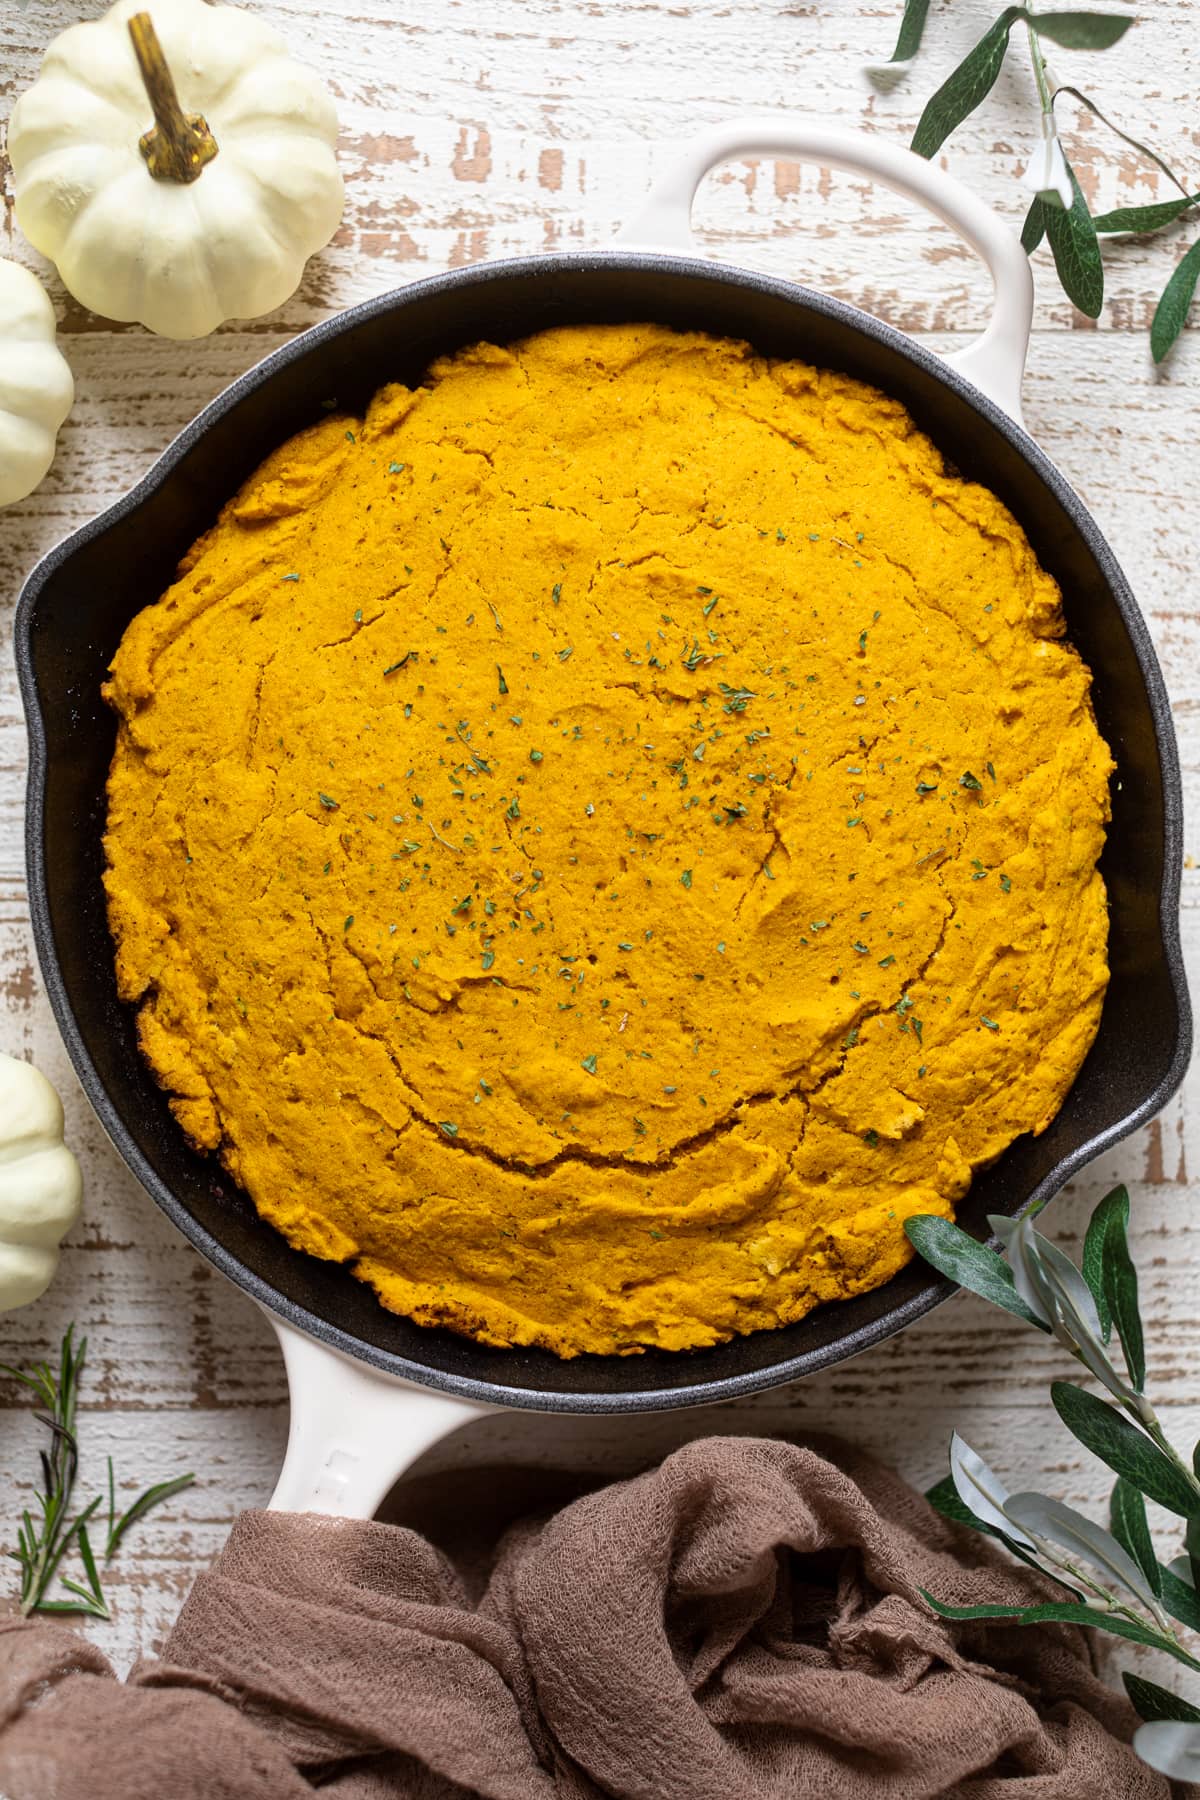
(601, 840)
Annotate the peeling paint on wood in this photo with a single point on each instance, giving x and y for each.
(527, 125)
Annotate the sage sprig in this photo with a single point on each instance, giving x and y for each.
(1058, 212)
(1112, 1577)
(45, 1537)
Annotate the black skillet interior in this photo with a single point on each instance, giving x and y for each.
(79, 600)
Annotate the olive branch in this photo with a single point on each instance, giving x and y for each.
(1059, 211)
(1113, 1577)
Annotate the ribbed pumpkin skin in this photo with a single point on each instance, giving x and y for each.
(180, 258)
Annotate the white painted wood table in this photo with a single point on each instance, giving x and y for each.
(476, 128)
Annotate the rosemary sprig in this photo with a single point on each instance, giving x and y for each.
(151, 1496)
(45, 1536)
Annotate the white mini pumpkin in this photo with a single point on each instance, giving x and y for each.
(209, 216)
(36, 389)
(40, 1183)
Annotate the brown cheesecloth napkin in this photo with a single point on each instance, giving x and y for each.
(742, 1623)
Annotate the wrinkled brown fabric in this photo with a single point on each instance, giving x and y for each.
(742, 1623)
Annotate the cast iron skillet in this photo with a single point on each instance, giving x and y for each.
(78, 601)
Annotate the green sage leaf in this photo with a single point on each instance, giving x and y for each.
(1066, 1612)
(1092, 1264)
(970, 83)
(1171, 313)
(1101, 1429)
(1081, 1538)
(1121, 1286)
(961, 1257)
(1180, 1598)
(1082, 30)
(886, 76)
(1171, 1748)
(981, 1489)
(1134, 143)
(1127, 1515)
(944, 1498)
(912, 29)
(1076, 251)
(1143, 219)
(1153, 1702)
(1054, 1290)
(1048, 1281)
(1191, 1543)
(1034, 228)
(1118, 1279)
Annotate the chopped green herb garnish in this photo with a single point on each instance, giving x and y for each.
(970, 781)
(329, 804)
(449, 1129)
(990, 1023)
(503, 683)
(686, 878)
(589, 1063)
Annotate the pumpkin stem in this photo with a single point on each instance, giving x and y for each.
(180, 143)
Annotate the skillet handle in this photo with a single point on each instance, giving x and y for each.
(353, 1431)
(995, 361)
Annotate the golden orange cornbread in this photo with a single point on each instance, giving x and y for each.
(600, 841)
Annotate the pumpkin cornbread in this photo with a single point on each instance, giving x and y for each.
(599, 842)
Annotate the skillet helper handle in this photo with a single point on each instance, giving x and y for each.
(994, 361)
(353, 1432)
